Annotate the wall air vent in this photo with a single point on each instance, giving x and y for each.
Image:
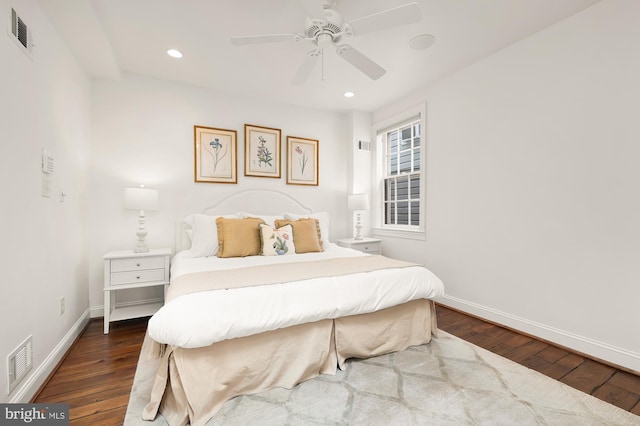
(364, 146)
(20, 33)
(19, 362)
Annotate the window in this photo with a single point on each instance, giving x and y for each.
(400, 184)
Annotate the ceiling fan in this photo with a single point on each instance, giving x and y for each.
(325, 27)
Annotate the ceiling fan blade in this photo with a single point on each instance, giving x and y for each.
(401, 15)
(358, 60)
(314, 8)
(271, 38)
(305, 68)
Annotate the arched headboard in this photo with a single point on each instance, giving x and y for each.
(264, 201)
(254, 201)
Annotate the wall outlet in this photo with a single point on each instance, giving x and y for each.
(62, 305)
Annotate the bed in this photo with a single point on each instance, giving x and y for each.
(238, 322)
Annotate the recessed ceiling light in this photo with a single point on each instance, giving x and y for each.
(174, 53)
(421, 42)
(349, 94)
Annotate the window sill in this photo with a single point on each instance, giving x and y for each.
(399, 233)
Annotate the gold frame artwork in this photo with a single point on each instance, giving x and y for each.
(302, 161)
(262, 151)
(215, 155)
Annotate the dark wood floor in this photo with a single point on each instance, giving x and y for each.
(602, 381)
(96, 376)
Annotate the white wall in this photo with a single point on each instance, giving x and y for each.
(532, 184)
(359, 173)
(143, 134)
(44, 104)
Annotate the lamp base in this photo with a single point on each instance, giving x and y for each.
(142, 246)
(358, 235)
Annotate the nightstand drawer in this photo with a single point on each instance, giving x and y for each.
(368, 248)
(137, 264)
(131, 277)
(365, 245)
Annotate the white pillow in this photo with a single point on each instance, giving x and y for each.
(204, 234)
(268, 219)
(323, 219)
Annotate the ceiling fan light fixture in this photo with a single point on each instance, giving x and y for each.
(174, 53)
(349, 94)
(421, 42)
(324, 40)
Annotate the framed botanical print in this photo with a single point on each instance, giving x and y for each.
(216, 159)
(262, 151)
(302, 161)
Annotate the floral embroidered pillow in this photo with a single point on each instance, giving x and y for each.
(277, 241)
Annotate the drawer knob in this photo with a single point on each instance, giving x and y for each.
(137, 264)
(138, 277)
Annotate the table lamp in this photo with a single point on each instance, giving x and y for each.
(358, 203)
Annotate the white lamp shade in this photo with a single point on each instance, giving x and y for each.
(358, 202)
(140, 199)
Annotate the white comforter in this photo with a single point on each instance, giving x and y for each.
(200, 319)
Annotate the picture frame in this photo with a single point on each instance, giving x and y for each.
(215, 155)
(262, 151)
(302, 161)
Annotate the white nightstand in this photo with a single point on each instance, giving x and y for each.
(125, 270)
(365, 245)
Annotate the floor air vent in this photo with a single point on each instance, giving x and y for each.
(20, 33)
(19, 362)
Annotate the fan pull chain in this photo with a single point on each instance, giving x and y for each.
(322, 65)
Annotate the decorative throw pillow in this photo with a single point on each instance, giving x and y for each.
(323, 221)
(306, 234)
(277, 241)
(238, 237)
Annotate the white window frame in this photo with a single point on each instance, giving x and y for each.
(380, 129)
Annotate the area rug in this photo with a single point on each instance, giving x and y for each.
(446, 382)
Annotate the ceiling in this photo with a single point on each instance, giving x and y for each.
(111, 37)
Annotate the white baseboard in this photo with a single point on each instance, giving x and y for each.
(592, 348)
(96, 311)
(28, 389)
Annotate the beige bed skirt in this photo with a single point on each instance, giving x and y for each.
(191, 385)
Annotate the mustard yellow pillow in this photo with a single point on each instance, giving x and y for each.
(306, 234)
(238, 237)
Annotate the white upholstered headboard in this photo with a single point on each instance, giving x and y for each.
(255, 201)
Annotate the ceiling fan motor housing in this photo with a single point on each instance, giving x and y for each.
(326, 31)
(329, 4)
